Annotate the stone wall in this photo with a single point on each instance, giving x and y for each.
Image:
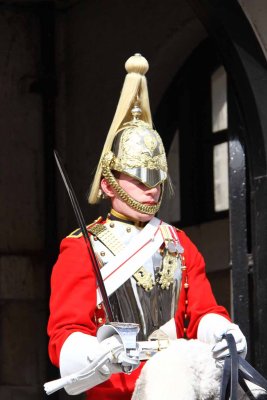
(256, 13)
(22, 272)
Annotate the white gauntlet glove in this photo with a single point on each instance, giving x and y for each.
(211, 329)
(87, 361)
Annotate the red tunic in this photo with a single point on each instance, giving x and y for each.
(73, 306)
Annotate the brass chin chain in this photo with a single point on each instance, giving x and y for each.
(136, 205)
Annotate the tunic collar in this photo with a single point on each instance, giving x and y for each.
(114, 215)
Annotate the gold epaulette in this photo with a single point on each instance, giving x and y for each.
(78, 232)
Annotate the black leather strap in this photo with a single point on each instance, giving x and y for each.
(236, 369)
(230, 371)
(247, 372)
(224, 394)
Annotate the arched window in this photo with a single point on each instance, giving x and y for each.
(194, 117)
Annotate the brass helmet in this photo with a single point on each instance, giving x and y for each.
(132, 146)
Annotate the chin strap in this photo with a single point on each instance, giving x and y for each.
(237, 370)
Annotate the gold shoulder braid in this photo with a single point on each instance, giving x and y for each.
(78, 232)
(107, 237)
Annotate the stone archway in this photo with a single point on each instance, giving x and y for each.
(242, 57)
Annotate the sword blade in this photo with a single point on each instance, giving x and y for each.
(82, 225)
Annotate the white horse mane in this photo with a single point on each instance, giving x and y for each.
(184, 371)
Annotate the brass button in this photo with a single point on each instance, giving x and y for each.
(128, 229)
(102, 253)
(186, 285)
(112, 224)
(100, 320)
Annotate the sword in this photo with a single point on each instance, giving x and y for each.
(82, 225)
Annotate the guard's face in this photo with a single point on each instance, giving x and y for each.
(138, 191)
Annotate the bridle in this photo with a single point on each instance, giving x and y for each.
(237, 370)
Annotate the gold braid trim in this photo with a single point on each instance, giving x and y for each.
(136, 205)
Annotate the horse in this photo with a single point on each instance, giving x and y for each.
(186, 370)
